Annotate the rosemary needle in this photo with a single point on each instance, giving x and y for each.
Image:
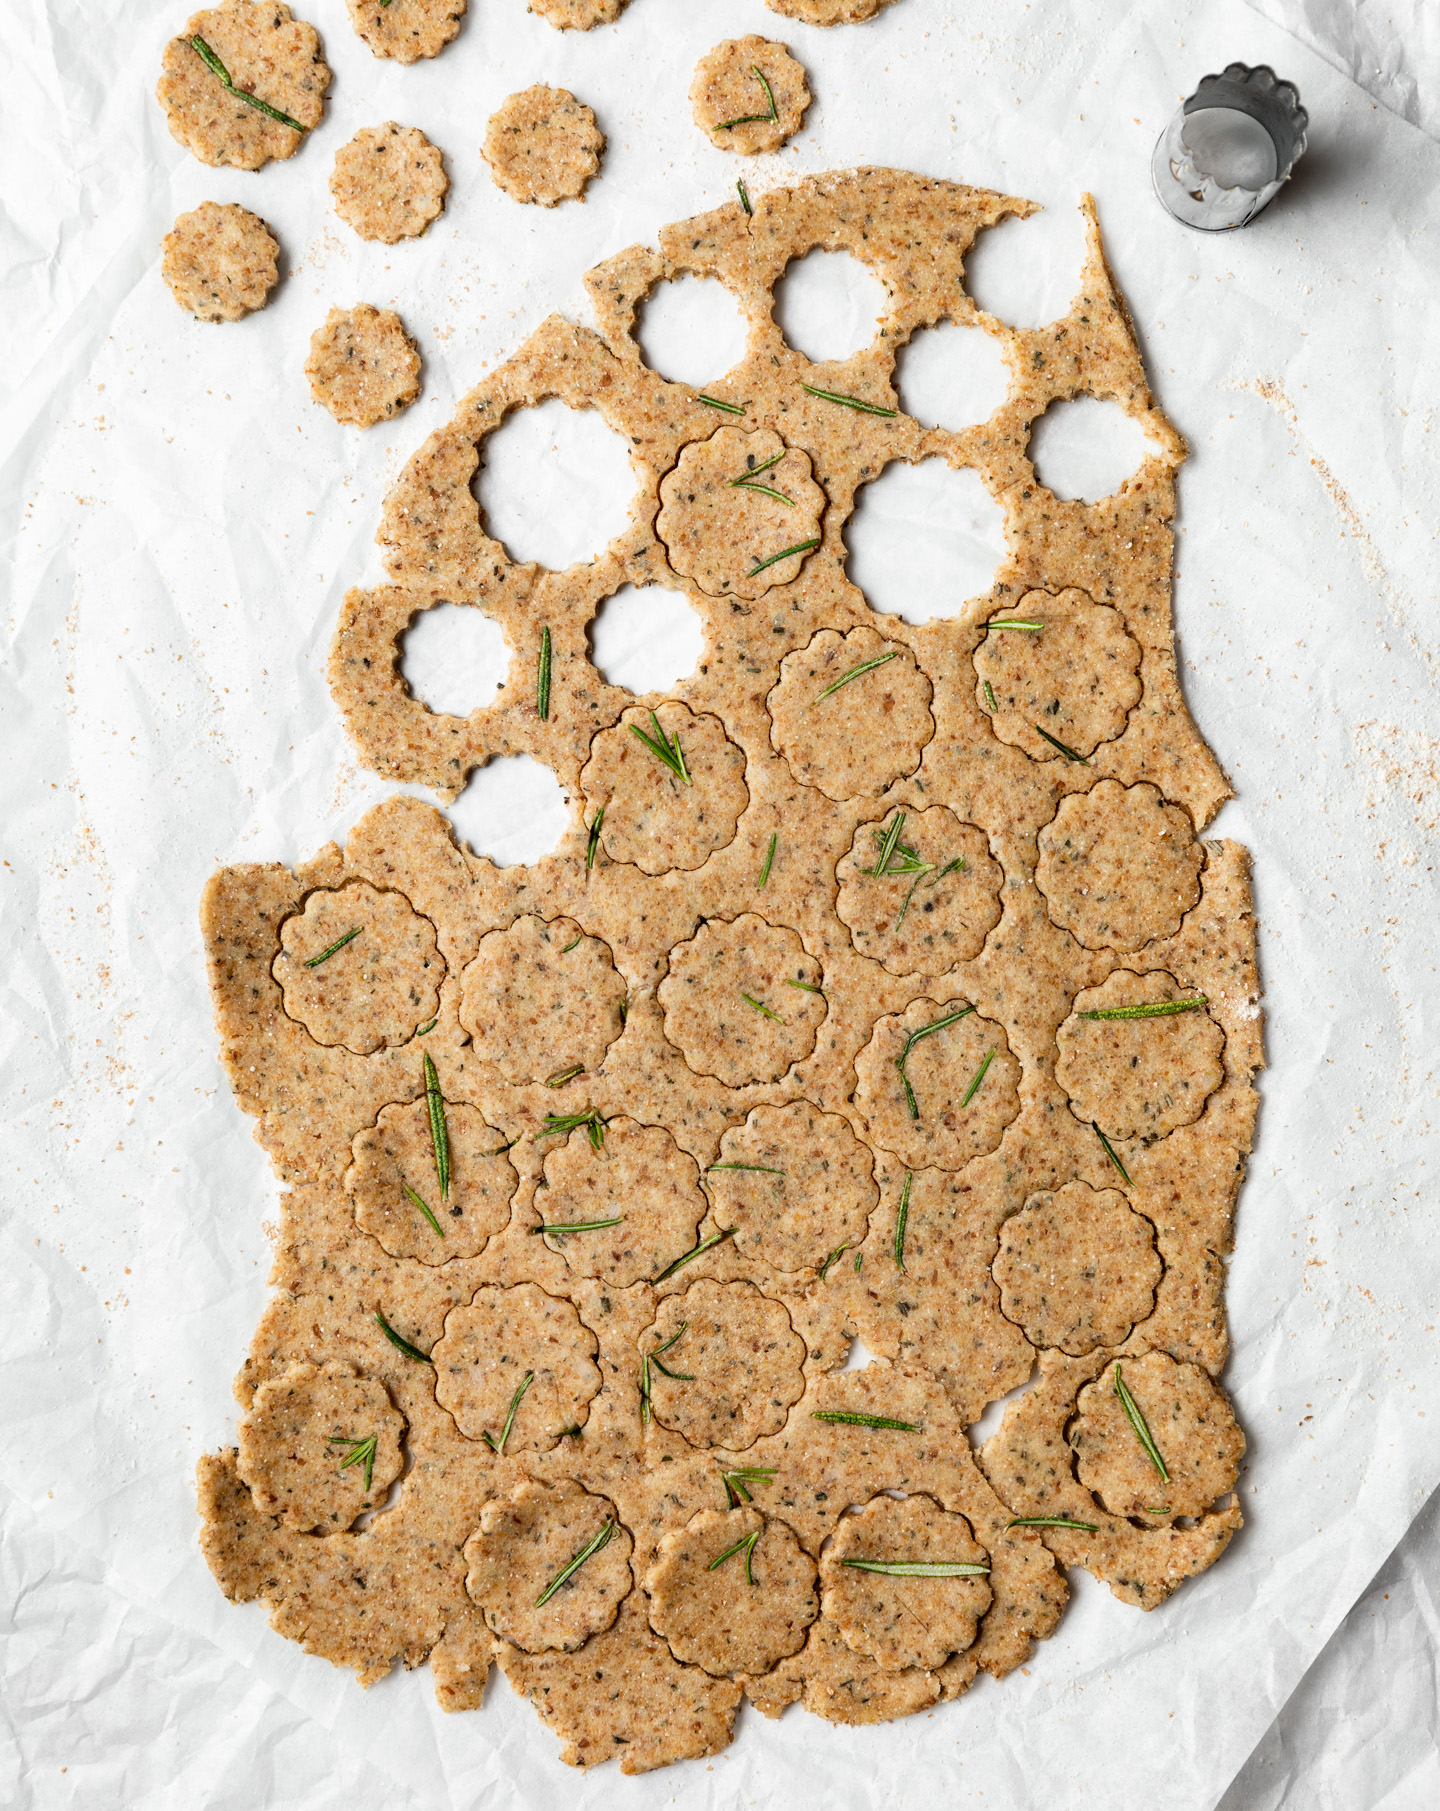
(227, 82)
(900, 1220)
(559, 1230)
(574, 943)
(746, 480)
(748, 1543)
(338, 944)
(594, 839)
(888, 844)
(806, 987)
(761, 1007)
(865, 666)
(542, 681)
(914, 1038)
(498, 1446)
(1141, 1427)
(704, 1246)
(852, 1418)
(429, 1215)
(1053, 1521)
(561, 1076)
(420, 1030)
(831, 1259)
(567, 1571)
(558, 1125)
(1110, 1152)
(990, 703)
(848, 402)
(1055, 742)
(769, 859)
(919, 1568)
(784, 554)
(763, 1169)
(653, 1358)
(665, 748)
(362, 1452)
(741, 191)
(735, 1482)
(979, 1077)
(439, 1131)
(752, 119)
(714, 402)
(401, 1345)
(1152, 1009)
(1015, 623)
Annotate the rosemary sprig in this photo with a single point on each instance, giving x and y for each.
(417, 1202)
(763, 1168)
(653, 1358)
(1151, 1009)
(1055, 742)
(665, 749)
(1015, 623)
(747, 1542)
(571, 1567)
(439, 1131)
(889, 843)
(558, 1125)
(1053, 1521)
(806, 987)
(743, 193)
(900, 1220)
(542, 677)
(990, 703)
(401, 1345)
(848, 402)
(831, 1259)
(1110, 1152)
(714, 402)
(574, 943)
(498, 1446)
(362, 1452)
(753, 119)
(561, 1076)
(735, 1482)
(979, 1076)
(560, 1228)
(746, 480)
(759, 1006)
(919, 1568)
(865, 666)
(784, 554)
(769, 860)
(914, 1038)
(853, 1418)
(420, 1030)
(594, 839)
(338, 944)
(704, 1246)
(1141, 1426)
(226, 80)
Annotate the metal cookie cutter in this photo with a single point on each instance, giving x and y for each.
(1229, 148)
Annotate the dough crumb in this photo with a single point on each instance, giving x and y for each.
(363, 366)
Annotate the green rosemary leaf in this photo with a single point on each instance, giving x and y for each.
(747, 119)
(914, 1038)
(763, 1168)
(754, 471)
(766, 491)
(594, 840)
(736, 1481)
(979, 1076)
(748, 1543)
(865, 666)
(1110, 1152)
(362, 1452)
(990, 697)
(919, 1568)
(759, 1006)
(557, 1125)
(784, 554)
(806, 987)
(769, 860)
(888, 842)
(950, 868)
(653, 1358)
(542, 678)
(831, 1259)
(223, 77)
(498, 1446)
(714, 402)
(559, 1230)
(741, 191)
(1152, 1009)
(624, 1009)
(1158, 1509)
(1141, 1427)
(859, 1260)
(588, 1551)
(573, 1432)
(338, 944)
(561, 1076)
(439, 1131)
(401, 1345)
(853, 1418)
(1069, 753)
(900, 1220)
(848, 402)
(704, 1246)
(1053, 1521)
(420, 1030)
(1015, 623)
(417, 1202)
(574, 943)
(664, 748)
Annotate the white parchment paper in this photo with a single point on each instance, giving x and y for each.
(179, 524)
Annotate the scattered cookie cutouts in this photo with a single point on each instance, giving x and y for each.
(542, 1001)
(671, 786)
(795, 1185)
(363, 366)
(359, 966)
(220, 262)
(732, 1592)
(521, 1566)
(406, 30)
(749, 95)
(1077, 1268)
(851, 714)
(543, 146)
(1139, 1056)
(389, 183)
(1155, 1439)
(1119, 866)
(740, 513)
(1057, 670)
(919, 891)
(402, 1199)
(243, 84)
(742, 1000)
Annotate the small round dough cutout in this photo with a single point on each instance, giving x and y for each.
(389, 182)
(523, 1544)
(732, 1592)
(638, 1177)
(319, 1446)
(665, 810)
(406, 30)
(740, 1359)
(740, 512)
(541, 999)
(393, 1163)
(937, 1084)
(266, 54)
(1076, 677)
(220, 262)
(358, 966)
(796, 1185)
(490, 1348)
(749, 95)
(851, 713)
(1119, 866)
(1077, 1268)
(1142, 1077)
(937, 900)
(577, 15)
(742, 1000)
(543, 146)
(829, 12)
(363, 366)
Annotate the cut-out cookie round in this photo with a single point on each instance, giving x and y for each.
(1190, 1422)
(220, 263)
(543, 146)
(319, 1446)
(730, 1376)
(829, 12)
(359, 966)
(904, 1621)
(851, 713)
(577, 15)
(389, 182)
(406, 30)
(491, 1347)
(732, 1592)
(937, 899)
(1139, 1073)
(638, 1177)
(397, 1192)
(1075, 676)
(1077, 1268)
(525, 1542)
(937, 1084)
(363, 366)
(541, 1000)
(749, 95)
(254, 50)
(740, 512)
(671, 785)
(742, 1000)
(796, 1185)
(1119, 866)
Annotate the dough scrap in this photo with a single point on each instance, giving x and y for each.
(220, 262)
(302, 1447)
(363, 366)
(267, 53)
(524, 1542)
(726, 92)
(543, 146)
(735, 1615)
(389, 182)
(1077, 1268)
(406, 30)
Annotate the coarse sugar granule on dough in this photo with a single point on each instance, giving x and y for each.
(845, 1008)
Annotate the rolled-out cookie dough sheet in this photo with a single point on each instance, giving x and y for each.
(237, 753)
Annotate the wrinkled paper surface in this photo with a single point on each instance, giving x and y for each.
(180, 522)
